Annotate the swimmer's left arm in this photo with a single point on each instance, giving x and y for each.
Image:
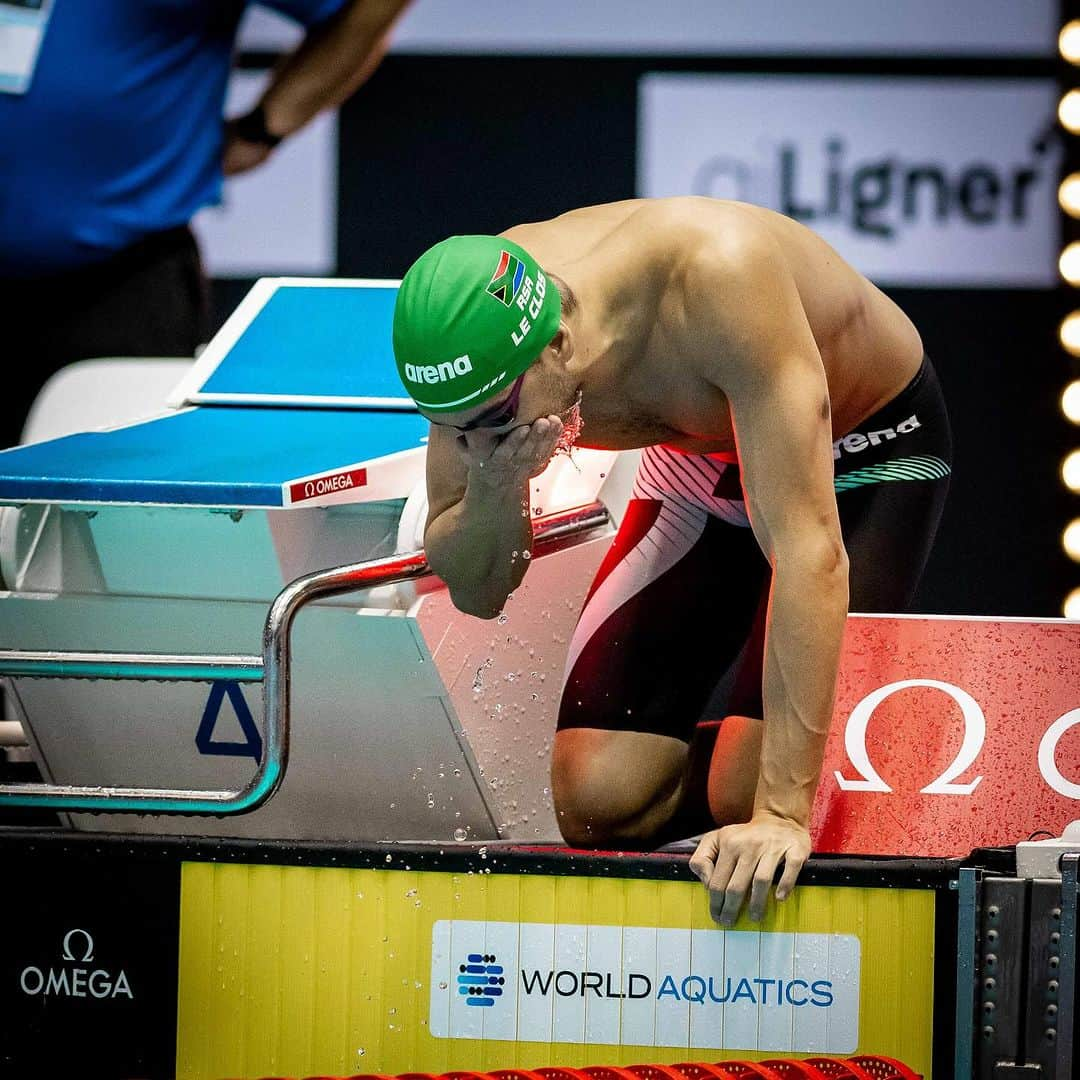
(771, 373)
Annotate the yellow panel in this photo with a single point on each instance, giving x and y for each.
(296, 971)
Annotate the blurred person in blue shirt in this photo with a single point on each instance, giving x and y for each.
(112, 137)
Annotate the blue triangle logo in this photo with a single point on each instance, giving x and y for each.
(204, 739)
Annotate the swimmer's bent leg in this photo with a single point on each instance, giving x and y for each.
(667, 615)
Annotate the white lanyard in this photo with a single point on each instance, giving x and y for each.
(22, 28)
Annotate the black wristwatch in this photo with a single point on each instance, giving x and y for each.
(251, 127)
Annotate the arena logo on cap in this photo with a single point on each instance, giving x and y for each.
(437, 373)
(506, 281)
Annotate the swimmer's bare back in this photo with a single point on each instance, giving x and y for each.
(642, 384)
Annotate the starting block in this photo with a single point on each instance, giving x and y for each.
(287, 448)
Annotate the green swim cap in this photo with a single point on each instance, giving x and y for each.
(472, 314)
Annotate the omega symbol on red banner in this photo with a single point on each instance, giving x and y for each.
(974, 737)
(75, 977)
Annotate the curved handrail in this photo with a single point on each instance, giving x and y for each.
(273, 669)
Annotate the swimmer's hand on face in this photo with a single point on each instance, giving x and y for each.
(497, 459)
(738, 859)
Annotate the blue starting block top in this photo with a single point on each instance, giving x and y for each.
(227, 457)
(296, 341)
(294, 402)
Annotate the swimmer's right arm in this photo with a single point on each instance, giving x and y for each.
(478, 523)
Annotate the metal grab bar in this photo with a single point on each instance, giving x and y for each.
(273, 669)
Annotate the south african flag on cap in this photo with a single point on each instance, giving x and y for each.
(506, 281)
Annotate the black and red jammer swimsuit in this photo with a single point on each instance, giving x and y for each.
(672, 630)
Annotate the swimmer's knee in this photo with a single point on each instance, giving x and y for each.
(597, 824)
(615, 789)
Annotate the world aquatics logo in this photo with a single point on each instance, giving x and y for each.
(506, 280)
(481, 980)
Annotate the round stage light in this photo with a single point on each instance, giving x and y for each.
(1069, 194)
(1069, 41)
(1069, 111)
(1070, 539)
(1071, 607)
(1070, 471)
(1069, 263)
(1070, 401)
(1069, 333)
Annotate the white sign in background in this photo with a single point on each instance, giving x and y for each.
(279, 218)
(935, 182)
(707, 27)
(644, 986)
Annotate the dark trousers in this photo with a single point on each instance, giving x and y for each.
(148, 300)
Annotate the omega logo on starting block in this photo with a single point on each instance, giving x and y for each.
(330, 484)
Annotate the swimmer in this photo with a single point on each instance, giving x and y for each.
(795, 459)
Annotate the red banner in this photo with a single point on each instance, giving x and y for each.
(950, 734)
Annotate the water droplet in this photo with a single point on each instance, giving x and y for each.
(460, 834)
(389, 858)
(526, 554)
(411, 892)
(502, 619)
(442, 985)
(360, 1051)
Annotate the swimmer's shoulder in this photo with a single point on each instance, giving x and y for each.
(676, 223)
(665, 240)
(688, 232)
